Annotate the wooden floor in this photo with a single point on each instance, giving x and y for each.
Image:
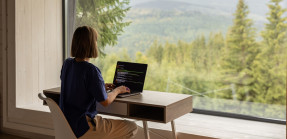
(7, 136)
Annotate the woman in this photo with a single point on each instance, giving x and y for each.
(82, 86)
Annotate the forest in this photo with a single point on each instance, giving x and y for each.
(239, 70)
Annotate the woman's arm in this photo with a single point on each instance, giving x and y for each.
(112, 95)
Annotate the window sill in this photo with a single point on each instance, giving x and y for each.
(220, 127)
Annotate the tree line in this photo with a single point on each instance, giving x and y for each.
(242, 64)
(251, 69)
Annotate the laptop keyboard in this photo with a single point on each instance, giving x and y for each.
(129, 93)
(109, 91)
(124, 93)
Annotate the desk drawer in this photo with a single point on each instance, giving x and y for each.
(116, 108)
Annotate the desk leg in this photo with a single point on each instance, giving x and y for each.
(173, 130)
(146, 133)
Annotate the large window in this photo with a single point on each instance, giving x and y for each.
(229, 54)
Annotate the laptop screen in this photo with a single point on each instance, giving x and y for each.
(131, 75)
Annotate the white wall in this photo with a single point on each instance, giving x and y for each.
(39, 47)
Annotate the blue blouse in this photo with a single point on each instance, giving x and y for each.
(82, 85)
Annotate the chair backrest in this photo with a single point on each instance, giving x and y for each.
(61, 125)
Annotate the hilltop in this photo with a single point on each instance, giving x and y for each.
(173, 20)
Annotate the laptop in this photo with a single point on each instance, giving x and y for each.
(131, 75)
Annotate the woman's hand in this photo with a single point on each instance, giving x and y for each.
(113, 94)
(109, 86)
(122, 89)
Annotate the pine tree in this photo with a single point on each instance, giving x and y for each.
(156, 51)
(214, 50)
(270, 65)
(240, 51)
(198, 53)
(106, 16)
(275, 31)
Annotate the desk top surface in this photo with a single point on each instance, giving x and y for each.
(155, 98)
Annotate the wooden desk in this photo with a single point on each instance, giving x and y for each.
(148, 106)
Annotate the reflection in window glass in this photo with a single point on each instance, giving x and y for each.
(228, 54)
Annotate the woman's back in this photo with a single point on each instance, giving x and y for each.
(82, 85)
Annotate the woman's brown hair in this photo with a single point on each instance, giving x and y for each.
(84, 43)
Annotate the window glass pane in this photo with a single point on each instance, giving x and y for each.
(229, 54)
